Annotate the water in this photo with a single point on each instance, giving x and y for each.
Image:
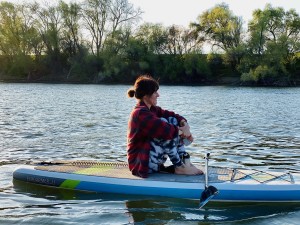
(241, 127)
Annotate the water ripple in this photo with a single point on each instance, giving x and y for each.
(241, 127)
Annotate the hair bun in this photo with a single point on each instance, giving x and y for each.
(130, 93)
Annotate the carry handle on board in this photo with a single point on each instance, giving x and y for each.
(209, 191)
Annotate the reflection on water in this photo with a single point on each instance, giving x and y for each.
(241, 127)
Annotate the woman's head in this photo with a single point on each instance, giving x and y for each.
(144, 86)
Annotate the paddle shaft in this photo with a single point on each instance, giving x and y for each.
(206, 169)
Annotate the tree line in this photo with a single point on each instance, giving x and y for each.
(101, 41)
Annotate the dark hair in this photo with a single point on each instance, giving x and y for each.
(144, 85)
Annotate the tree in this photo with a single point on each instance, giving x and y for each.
(273, 44)
(31, 26)
(95, 13)
(13, 30)
(114, 57)
(154, 36)
(71, 15)
(181, 41)
(18, 38)
(221, 29)
(196, 69)
(102, 18)
(167, 47)
(123, 13)
(50, 29)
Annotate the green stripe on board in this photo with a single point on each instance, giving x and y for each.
(70, 184)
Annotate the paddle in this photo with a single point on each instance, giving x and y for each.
(209, 191)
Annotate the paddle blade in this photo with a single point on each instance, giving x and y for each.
(207, 194)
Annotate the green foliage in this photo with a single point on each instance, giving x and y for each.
(266, 76)
(256, 75)
(94, 42)
(273, 43)
(72, 42)
(154, 36)
(196, 68)
(216, 65)
(83, 67)
(19, 68)
(220, 26)
(223, 30)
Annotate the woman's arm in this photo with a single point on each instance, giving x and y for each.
(153, 127)
(166, 114)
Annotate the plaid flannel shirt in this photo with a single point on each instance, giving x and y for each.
(144, 125)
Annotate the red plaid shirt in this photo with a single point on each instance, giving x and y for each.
(144, 125)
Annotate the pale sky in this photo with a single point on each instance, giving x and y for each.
(182, 12)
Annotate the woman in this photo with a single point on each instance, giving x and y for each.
(154, 133)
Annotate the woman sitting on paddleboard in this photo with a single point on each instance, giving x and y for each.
(155, 133)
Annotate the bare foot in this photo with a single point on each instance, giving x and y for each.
(200, 172)
(188, 170)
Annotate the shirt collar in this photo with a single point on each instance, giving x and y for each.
(143, 104)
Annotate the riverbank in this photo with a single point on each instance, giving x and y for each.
(225, 81)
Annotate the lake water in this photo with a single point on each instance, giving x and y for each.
(241, 127)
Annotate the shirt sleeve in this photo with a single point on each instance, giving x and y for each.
(166, 114)
(153, 127)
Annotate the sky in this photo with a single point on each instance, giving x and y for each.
(183, 12)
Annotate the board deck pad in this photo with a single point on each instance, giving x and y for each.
(91, 168)
(120, 170)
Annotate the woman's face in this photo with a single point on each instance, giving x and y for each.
(151, 100)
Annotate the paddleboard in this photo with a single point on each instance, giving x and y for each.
(234, 185)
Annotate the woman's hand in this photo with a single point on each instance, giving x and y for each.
(185, 130)
(190, 138)
(182, 123)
